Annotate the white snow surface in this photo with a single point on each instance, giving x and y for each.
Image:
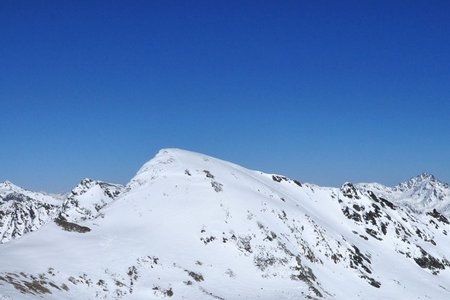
(189, 226)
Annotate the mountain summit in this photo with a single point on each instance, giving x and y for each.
(422, 181)
(190, 226)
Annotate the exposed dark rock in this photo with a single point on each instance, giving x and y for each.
(69, 226)
(438, 216)
(297, 182)
(349, 191)
(387, 203)
(208, 174)
(218, 187)
(372, 233)
(380, 200)
(357, 259)
(371, 281)
(429, 262)
(279, 178)
(384, 228)
(351, 214)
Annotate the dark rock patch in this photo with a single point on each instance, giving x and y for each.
(427, 261)
(69, 226)
(438, 216)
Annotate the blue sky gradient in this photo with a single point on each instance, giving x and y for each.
(321, 91)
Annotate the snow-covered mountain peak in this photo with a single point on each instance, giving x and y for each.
(5, 183)
(424, 191)
(175, 163)
(88, 198)
(86, 184)
(86, 181)
(426, 176)
(169, 157)
(9, 186)
(349, 190)
(424, 180)
(23, 211)
(421, 193)
(161, 161)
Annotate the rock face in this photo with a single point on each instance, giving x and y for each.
(194, 227)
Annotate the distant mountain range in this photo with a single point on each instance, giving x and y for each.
(189, 226)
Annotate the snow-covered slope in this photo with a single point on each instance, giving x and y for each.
(189, 226)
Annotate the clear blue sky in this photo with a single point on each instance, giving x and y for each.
(321, 91)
